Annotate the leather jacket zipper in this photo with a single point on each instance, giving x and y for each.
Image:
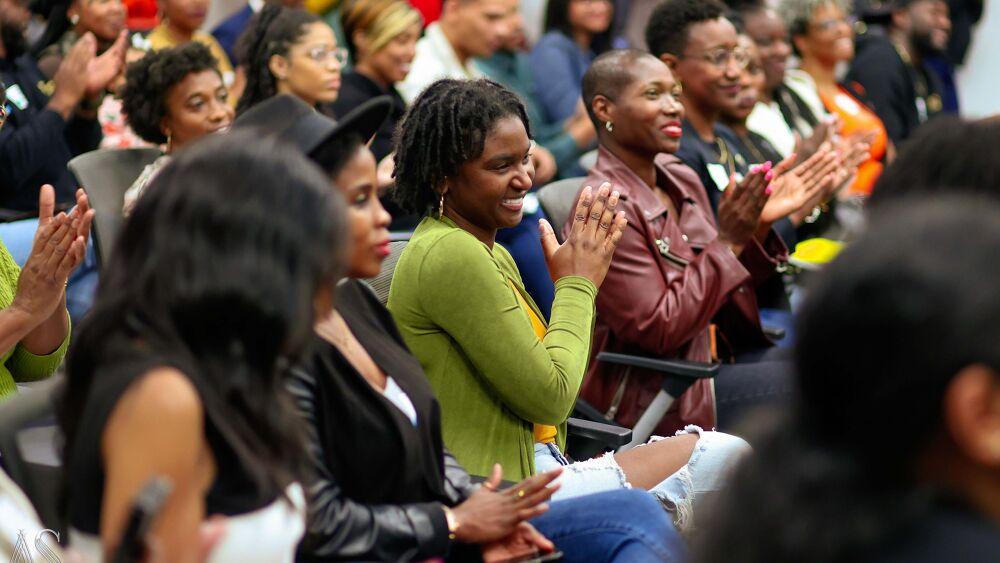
(664, 246)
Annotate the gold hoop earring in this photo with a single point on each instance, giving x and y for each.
(609, 126)
(170, 141)
(74, 19)
(441, 206)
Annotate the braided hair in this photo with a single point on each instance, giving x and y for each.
(446, 127)
(271, 32)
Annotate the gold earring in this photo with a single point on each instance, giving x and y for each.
(74, 19)
(609, 126)
(170, 140)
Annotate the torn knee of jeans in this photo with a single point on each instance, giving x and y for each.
(603, 463)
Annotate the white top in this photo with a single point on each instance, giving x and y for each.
(398, 397)
(435, 59)
(802, 84)
(267, 535)
(766, 120)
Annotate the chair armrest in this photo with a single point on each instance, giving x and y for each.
(608, 434)
(681, 368)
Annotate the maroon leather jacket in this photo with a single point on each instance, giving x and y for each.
(669, 280)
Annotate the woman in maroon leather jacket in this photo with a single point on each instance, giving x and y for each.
(676, 270)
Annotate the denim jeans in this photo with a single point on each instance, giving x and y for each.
(622, 525)
(19, 236)
(705, 473)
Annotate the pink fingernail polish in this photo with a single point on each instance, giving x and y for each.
(766, 166)
(767, 190)
(769, 175)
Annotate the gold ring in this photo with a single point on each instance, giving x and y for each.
(520, 494)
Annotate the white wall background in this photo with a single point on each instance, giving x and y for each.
(979, 79)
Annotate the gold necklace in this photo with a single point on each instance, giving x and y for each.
(725, 157)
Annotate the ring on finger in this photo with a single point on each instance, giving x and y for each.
(581, 217)
(520, 493)
(595, 215)
(605, 226)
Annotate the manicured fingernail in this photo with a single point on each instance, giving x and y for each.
(767, 190)
(769, 175)
(754, 168)
(766, 166)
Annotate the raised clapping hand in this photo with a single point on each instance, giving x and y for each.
(104, 68)
(59, 247)
(741, 205)
(592, 241)
(796, 191)
(491, 515)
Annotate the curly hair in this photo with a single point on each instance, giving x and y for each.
(798, 13)
(447, 126)
(271, 32)
(667, 30)
(149, 80)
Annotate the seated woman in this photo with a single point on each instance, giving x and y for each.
(68, 21)
(575, 32)
(177, 371)
(387, 489)
(289, 51)
(34, 324)
(382, 38)
(824, 39)
(173, 97)
(507, 380)
(679, 269)
(914, 302)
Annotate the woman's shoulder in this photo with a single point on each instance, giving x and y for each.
(555, 39)
(436, 238)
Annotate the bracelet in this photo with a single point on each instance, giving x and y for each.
(453, 523)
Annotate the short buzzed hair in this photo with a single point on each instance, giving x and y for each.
(608, 75)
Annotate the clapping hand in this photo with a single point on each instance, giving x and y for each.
(524, 542)
(592, 240)
(59, 247)
(103, 69)
(797, 190)
(741, 206)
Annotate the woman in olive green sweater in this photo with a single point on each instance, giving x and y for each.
(34, 324)
(507, 380)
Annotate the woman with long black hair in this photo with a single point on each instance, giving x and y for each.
(176, 372)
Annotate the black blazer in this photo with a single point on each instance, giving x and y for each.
(381, 482)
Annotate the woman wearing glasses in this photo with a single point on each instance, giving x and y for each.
(823, 39)
(289, 51)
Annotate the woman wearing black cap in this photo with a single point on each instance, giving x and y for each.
(387, 489)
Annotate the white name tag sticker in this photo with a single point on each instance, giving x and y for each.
(17, 97)
(719, 175)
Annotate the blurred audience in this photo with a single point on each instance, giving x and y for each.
(227, 33)
(173, 97)
(181, 23)
(823, 38)
(892, 65)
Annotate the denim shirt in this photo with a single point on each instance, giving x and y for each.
(558, 65)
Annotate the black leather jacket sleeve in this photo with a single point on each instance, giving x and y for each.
(339, 528)
(458, 484)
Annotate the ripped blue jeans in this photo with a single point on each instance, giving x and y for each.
(705, 473)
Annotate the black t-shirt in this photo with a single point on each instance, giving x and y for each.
(903, 95)
(233, 491)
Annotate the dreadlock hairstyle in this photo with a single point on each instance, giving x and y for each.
(271, 32)
(446, 127)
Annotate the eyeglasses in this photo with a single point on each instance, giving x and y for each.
(323, 54)
(720, 58)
